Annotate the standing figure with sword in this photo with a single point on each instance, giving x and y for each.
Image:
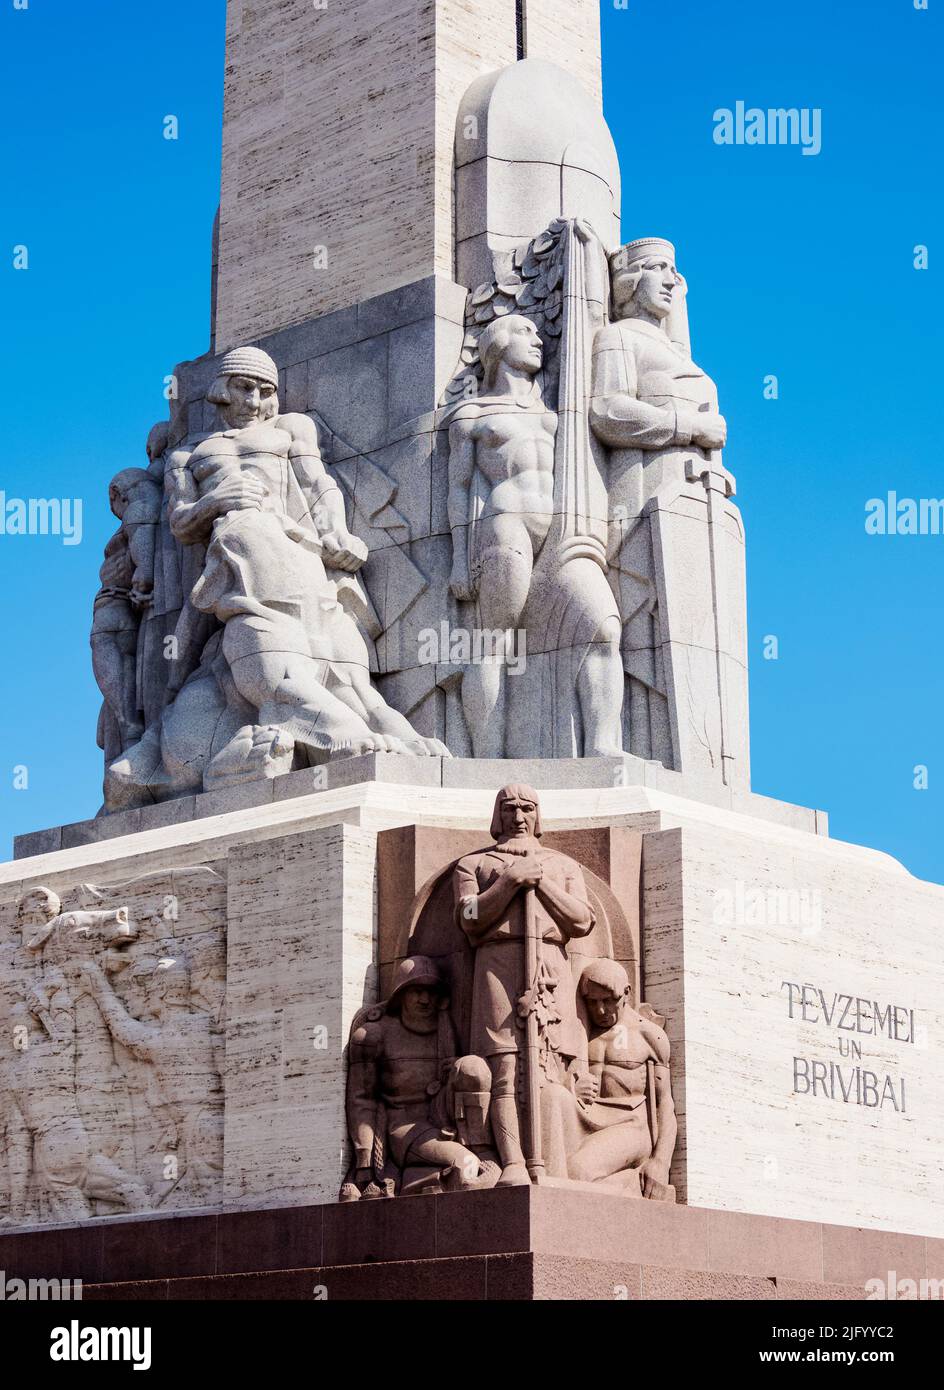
(676, 545)
(519, 905)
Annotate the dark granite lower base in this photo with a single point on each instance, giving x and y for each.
(511, 1244)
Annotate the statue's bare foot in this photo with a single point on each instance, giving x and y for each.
(254, 753)
(359, 746)
(419, 747)
(514, 1175)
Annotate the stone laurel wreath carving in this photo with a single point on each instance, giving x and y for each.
(111, 1031)
(504, 1055)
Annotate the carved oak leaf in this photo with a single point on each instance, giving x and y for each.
(529, 282)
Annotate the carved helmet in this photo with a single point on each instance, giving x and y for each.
(415, 970)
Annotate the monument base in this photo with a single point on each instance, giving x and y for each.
(800, 979)
(506, 1244)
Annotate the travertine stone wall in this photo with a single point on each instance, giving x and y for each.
(567, 32)
(792, 1116)
(299, 877)
(338, 133)
(301, 962)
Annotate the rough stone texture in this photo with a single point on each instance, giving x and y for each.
(338, 133)
(301, 962)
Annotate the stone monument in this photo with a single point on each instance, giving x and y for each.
(444, 510)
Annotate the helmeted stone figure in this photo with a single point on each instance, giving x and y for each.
(496, 892)
(417, 1114)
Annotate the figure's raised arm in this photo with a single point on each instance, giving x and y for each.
(138, 1037)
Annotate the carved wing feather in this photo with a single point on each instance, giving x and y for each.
(528, 281)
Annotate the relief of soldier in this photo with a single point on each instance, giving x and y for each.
(560, 1077)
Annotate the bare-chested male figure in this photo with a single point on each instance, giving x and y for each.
(501, 503)
(257, 493)
(501, 513)
(629, 1127)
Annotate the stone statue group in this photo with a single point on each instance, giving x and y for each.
(232, 634)
(549, 1072)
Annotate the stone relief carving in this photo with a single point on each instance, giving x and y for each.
(519, 1056)
(111, 1010)
(270, 655)
(417, 1113)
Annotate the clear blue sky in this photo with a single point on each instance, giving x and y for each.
(800, 267)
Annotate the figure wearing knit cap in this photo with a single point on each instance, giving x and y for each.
(292, 661)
